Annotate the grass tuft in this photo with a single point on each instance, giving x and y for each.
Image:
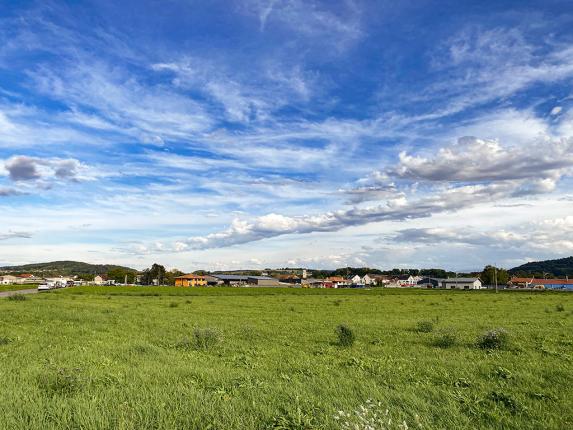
(494, 339)
(4, 340)
(424, 326)
(205, 338)
(17, 298)
(61, 381)
(345, 335)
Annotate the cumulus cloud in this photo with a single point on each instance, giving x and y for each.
(7, 192)
(476, 160)
(546, 235)
(22, 168)
(398, 209)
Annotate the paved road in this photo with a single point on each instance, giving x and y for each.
(11, 293)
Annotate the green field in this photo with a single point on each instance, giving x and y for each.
(236, 358)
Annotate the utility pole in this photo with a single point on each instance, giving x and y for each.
(495, 277)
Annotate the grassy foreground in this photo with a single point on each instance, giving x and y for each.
(224, 358)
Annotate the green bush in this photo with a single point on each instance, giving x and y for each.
(424, 326)
(494, 339)
(345, 335)
(559, 308)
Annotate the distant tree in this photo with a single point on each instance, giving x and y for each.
(156, 272)
(119, 274)
(171, 275)
(489, 274)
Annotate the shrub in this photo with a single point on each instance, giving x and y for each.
(345, 335)
(4, 340)
(205, 338)
(424, 326)
(18, 297)
(446, 339)
(494, 339)
(559, 308)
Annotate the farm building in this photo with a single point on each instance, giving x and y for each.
(263, 281)
(232, 279)
(428, 282)
(190, 280)
(554, 284)
(462, 284)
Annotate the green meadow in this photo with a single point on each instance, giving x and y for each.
(16, 287)
(237, 358)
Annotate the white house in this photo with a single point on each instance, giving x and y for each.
(462, 284)
(406, 280)
(356, 280)
(8, 280)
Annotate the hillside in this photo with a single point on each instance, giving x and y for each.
(558, 268)
(63, 268)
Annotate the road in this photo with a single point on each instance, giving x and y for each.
(11, 293)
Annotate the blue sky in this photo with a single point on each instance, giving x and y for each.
(277, 133)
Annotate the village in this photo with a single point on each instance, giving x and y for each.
(300, 279)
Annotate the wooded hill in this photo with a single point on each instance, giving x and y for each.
(557, 268)
(64, 268)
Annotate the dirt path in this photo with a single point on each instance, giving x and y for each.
(11, 293)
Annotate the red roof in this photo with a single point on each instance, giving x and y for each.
(542, 281)
(190, 276)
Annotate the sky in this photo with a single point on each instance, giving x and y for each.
(270, 133)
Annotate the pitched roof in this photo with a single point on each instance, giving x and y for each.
(461, 280)
(190, 276)
(542, 281)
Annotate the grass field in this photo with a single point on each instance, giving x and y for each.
(224, 358)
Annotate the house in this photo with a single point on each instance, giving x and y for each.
(8, 280)
(338, 281)
(103, 280)
(462, 284)
(190, 280)
(428, 282)
(405, 281)
(356, 280)
(559, 284)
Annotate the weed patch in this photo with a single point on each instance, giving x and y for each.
(494, 339)
(61, 381)
(446, 339)
(424, 327)
(17, 298)
(345, 335)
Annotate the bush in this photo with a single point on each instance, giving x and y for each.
(494, 339)
(424, 326)
(559, 308)
(345, 335)
(205, 338)
(446, 339)
(4, 340)
(18, 297)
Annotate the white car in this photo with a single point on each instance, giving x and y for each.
(44, 287)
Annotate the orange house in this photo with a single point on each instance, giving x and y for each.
(190, 280)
